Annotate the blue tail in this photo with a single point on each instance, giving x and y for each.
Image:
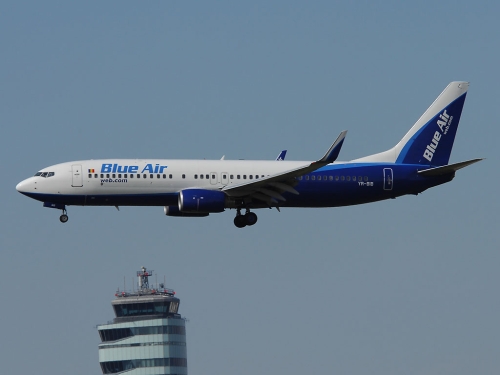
(430, 140)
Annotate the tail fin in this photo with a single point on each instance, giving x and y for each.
(430, 140)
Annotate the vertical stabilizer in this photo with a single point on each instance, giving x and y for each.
(430, 140)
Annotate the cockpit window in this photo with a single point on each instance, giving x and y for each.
(44, 174)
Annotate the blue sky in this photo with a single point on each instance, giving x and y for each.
(401, 286)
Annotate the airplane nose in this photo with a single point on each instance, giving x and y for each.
(21, 187)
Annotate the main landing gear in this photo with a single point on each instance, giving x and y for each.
(242, 221)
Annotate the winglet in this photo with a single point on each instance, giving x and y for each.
(281, 156)
(333, 153)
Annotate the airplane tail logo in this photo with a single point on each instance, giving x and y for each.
(430, 141)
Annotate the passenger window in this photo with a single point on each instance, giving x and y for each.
(360, 178)
(150, 176)
(183, 176)
(307, 178)
(119, 175)
(213, 177)
(138, 176)
(256, 176)
(208, 176)
(164, 176)
(313, 178)
(300, 178)
(348, 178)
(231, 176)
(169, 176)
(342, 178)
(366, 178)
(354, 178)
(131, 176)
(95, 176)
(114, 175)
(102, 176)
(238, 177)
(90, 175)
(144, 176)
(336, 178)
(195, 176)
(224, 176)
(250, 177)
(201, 177)
(107, 175)
(158, 175)
(244, 176)
(330, 178)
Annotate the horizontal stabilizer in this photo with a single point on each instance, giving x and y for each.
(446, 169)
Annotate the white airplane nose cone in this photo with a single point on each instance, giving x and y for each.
(21, 187)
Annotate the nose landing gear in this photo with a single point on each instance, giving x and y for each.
(64, 217)
(241, 221)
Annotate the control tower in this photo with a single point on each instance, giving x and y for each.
(147, 336)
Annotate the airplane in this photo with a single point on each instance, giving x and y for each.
(197, 188)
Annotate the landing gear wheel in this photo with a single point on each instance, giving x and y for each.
(240, 221)
(63, 218)
(250, 218)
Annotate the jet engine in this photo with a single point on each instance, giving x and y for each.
(201, 201)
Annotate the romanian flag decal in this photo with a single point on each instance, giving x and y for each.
(91, 170)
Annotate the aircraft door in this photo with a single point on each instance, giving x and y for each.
(77, 175)
(388, 179)
(224, 178)
(213, 178)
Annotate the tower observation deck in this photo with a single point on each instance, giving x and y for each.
(147, 335)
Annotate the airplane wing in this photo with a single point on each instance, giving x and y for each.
(271, 188)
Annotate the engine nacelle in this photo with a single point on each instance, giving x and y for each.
(201, 201)
(174, 211)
